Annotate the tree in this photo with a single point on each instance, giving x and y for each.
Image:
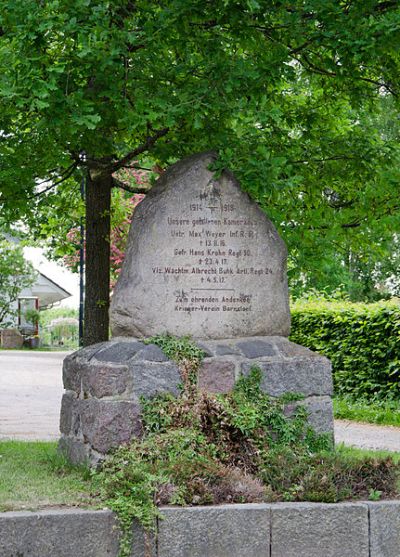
(121, 218)
(276, 87)
(15, 274)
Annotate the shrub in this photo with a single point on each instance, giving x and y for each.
(240, 447)
(361, 340)
(59, 327)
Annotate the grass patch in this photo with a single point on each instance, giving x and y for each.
(361, 454)
(34, 476)
(384, 412)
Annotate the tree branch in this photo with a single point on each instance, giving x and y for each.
(150, 141)
(67, 174)
(122, 186)
(335, 158)
(310, 66)
(137, 167)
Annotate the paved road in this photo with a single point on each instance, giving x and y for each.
(30, 394)
(367, 436)
(30, 399)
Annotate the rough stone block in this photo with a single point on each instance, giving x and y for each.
(71, 375)
(217, 376)
(292, 350)
(152, 353)
(121, 371)
(319, 530)
(64, 533)
(87, 353)
(104, 379)
(220, 531)
(75, 450)
(306, 376)
(11, 338)
(69, 416)
(163, 282)
(256, 348)
(384, 528)
(320, 411)
(226, 350)
(107, 424)
(207, 349)
(119, 352)
(149, 379)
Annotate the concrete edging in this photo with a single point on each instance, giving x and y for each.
(359, 529)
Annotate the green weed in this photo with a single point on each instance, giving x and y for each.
(239, 447)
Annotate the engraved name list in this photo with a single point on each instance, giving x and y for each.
(208, 253)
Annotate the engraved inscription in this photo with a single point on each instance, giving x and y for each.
(221, 250)
(203, 260)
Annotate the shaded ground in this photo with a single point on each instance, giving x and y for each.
(30, 399)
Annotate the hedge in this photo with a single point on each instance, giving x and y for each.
(361, 340)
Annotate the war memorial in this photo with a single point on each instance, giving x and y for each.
(203, 260)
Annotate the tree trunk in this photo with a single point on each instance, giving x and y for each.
(97, 268)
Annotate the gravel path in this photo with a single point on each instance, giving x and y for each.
(30, 399)
(367, 436)
(30, 394)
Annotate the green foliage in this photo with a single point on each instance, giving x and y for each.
(234, 448)
(384, 412)
(184, 352)
(179, 349)
(15, 274)
(303, 107)
(329, 476)
(32, 316)
(59, 327)
(361, 340)
(48, 315)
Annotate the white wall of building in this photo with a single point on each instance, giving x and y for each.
(57, 273)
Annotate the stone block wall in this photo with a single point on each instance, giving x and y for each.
(353, 529)
(104, 382)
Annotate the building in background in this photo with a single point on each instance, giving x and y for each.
(54, 286)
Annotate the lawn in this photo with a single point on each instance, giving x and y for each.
(362, 454)
(34, 476)
(384, 412)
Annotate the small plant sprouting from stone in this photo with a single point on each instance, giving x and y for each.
(185, 353)
(200, 449)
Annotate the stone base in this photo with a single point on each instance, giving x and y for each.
(104, 382)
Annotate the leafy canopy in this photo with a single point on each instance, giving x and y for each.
(283, 90)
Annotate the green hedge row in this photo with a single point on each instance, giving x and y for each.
(361, 340)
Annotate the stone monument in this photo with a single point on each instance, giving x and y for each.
(202, 260)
